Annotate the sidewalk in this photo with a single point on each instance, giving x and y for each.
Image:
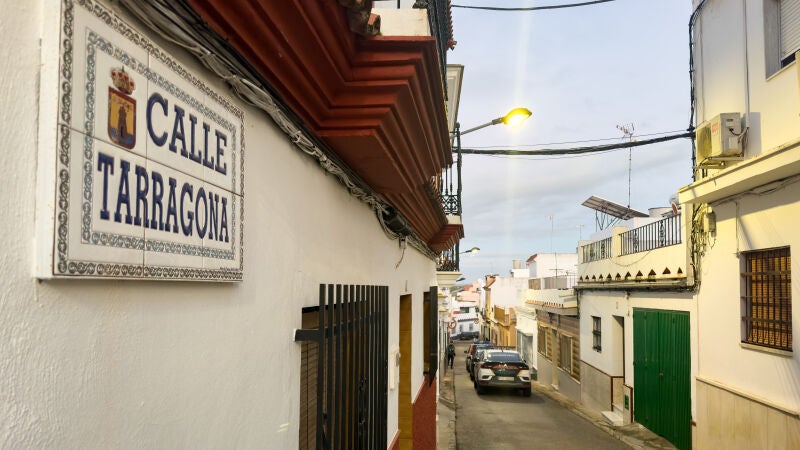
(446, 412)
(634, 435)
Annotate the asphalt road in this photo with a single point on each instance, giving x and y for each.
(507, 420)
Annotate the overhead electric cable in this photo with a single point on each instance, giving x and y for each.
(578, 142)
(553, 157)
(574, 151)
(531, 8)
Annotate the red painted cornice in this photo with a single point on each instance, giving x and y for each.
(378, 102)
(447, 237)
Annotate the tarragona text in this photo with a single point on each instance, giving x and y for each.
(162, 204)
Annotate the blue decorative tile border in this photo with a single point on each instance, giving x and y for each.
(64, 264)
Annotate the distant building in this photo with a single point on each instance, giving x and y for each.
(464, 315)
(503, 294)
(552, 270)
(558, 339)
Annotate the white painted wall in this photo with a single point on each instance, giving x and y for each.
(545, 265)
(757, 222)
(137, 364)
(508, 291)
(606, 304)
(403, 22)
(727, 73)
(527, 323)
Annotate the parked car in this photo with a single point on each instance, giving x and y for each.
(467, 335)
(471, 351)
(475, 358)
(499, 368)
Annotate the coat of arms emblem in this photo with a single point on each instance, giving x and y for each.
(122, 109)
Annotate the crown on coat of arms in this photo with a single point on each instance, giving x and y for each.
(122, 81)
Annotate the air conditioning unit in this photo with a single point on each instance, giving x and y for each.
(719, 137)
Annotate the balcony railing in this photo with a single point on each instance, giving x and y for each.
(596, 251)
(448, 260)
(655, 235)
(440, 26)
(439, 18)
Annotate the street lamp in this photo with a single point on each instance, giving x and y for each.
(514, 117)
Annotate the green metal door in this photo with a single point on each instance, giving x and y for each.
(662, 374)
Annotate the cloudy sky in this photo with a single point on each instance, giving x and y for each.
(582, 71)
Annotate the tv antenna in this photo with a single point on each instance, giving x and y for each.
(627, 131)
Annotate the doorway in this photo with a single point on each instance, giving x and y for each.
(662, 374)
(405, 417)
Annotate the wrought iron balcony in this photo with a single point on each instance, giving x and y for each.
(659, 234)
(449, 187)
(650, 254)
(439, 21)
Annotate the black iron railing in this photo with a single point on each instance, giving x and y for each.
(448, 260)
(439, 19)
(441, 29)
(596, 251)
(350, 351)
(655, 235)
(449, 187)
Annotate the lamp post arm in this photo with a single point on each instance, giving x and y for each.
(487, 124)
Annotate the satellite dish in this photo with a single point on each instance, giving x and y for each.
(675, 208)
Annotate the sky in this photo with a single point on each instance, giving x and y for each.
(582, 71)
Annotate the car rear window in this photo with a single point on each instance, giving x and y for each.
(505, 357)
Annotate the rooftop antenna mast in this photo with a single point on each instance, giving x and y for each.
(627, 131)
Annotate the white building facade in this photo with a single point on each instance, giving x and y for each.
(745, 233)
(92, 361)
(638, 327)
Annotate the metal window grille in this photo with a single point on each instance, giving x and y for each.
(566, 353)
(596, 334)
(541, 341)
(767, 298)
(350, 347)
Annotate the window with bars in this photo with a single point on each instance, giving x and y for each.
(344, 368)
(566, 353)
(596, 334)
(767, 298)
(541, 341)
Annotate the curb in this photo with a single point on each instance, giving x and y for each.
(446, 413)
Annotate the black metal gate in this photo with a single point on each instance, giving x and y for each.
(350, 344)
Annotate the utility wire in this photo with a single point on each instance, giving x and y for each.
(579, 142)
(551, 157)
(574, 151)
(531, 8)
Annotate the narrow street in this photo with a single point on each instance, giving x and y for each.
(507, 420)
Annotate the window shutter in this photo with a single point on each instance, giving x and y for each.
(790, 27)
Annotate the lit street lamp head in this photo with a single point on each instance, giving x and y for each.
(472, 250)
(516, 116)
